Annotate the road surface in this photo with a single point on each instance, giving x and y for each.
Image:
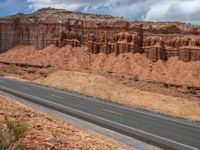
(151, 128)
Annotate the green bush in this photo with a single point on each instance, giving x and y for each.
(11, 133)
(17, 127)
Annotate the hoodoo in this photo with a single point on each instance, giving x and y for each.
(100, 33)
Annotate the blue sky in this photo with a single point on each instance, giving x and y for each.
(149, 10)
(9, 7)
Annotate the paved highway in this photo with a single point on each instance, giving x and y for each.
(154, 129)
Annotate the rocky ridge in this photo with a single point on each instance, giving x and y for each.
(101, 33)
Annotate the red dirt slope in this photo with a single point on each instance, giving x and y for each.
(172, 71)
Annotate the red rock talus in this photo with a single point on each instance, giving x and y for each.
(99, 33)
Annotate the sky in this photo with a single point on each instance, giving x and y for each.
(187, 11)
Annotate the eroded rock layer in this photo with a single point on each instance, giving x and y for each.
(99, 33)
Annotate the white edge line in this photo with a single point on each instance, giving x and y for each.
(56, 96)
(28, 95)
(107, 103)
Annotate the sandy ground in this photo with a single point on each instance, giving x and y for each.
(102, 87)
(45, 132)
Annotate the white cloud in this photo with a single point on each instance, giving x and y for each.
(149, 10)
(175, 10)
(67, 4)
(127, 8)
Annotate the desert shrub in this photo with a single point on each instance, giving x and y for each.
(49, 66)
(135, 78)
(192, 91)
(166, 85)
(17, 127)
(11, 133)
(2, 142)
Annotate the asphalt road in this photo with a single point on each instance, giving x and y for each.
(151, 128)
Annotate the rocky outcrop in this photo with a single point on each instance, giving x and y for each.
(99, 33)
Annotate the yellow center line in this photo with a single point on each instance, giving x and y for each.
(113, 112)
(2, 81)
(56, 96)
(23, 87)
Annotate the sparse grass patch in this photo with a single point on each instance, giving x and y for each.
(16, 127)
(2, 73)
(10, 132)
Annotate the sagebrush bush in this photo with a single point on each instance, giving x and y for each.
(135, 78)
(11, 133)
(17, 127)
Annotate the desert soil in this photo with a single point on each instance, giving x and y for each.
(85, 75)
(104, 88)
(172, 71)
(45, 132)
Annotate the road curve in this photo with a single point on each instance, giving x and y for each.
(154, 129)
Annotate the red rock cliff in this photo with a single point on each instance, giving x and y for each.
(105, 34)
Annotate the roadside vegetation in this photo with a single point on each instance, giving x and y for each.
(11, 130)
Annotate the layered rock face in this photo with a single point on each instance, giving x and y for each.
(186, 47)
(99, 33)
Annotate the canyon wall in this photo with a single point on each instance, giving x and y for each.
(99, 33)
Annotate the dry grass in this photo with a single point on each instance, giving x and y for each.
(2, 73)
(99, 86)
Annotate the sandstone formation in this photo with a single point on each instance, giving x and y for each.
(100, 33)
(172, 71)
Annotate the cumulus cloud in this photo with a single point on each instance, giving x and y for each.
(133, 9)
(149, 10)
(175, 10)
